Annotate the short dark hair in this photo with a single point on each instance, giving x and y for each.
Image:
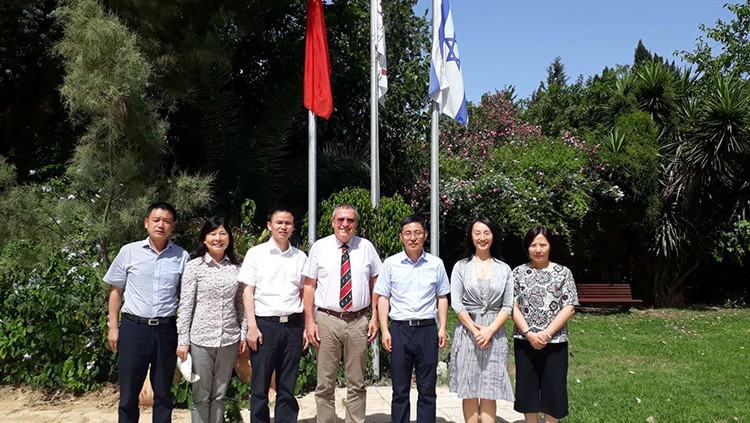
(413, 218)
(278, 208)
(213, 223)
(535, 232)
(161, 205)
(471, 249)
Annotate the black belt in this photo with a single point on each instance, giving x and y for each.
(155, 321)
(292, 318)
(344, 315)
(422, 322)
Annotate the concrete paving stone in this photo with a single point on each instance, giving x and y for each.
(379, 406)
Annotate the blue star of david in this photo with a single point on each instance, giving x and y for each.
(452, 56)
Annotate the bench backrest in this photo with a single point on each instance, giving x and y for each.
(596, 290)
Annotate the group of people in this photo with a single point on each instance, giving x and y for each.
(278, 300)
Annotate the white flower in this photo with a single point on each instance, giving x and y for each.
(32, 172)
(45, 188)
(26, 357)
(71, 197)
(90, 365)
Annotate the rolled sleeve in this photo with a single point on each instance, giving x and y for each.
(117, 273)
(383, 285)
(443, 283)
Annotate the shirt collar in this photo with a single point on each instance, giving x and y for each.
(210, 260)
(146, 243)
(351, 242)
(274, 247)
(405, 257)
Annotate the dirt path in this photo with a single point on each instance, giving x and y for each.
(27, 405)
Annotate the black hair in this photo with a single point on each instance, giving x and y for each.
(279, 208)
(471, 249)
(161, 205)
(535, 232)
(213, 223)
(413, 218)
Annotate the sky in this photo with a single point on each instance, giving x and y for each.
(511, 42)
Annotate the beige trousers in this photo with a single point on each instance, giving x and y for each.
(349, 337)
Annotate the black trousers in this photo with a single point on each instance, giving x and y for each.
(541, 379)
(139, 346)
(281, 352)
(415, 348)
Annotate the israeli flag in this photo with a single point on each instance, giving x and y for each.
(446, 80)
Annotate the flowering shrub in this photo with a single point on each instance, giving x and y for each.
(502, 167)
(53, 322)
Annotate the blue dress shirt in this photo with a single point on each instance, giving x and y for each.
(413, 287)
(151, 280)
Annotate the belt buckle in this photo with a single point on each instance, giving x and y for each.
(344, 315)
(414, 323)
(153, 322)
(283, 319)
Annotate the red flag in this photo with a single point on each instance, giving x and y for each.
(317, 65)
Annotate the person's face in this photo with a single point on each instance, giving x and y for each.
(539, 250)
(159, 224)
(281, 226)
(481, 235)
(413, 236)
(344, 224)
(217, 241)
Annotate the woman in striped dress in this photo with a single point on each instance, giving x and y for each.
(482, 297)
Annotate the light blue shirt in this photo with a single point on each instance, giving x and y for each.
(413, 288)
(151, 280)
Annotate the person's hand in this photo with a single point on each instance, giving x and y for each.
(113, 338)
(442, 338)
(372, 330)
(386, 340)
(242, 347)
(254, 337)
(313, 336)
(483, 336)
(305, 342)
(182, 351)
(537, 341)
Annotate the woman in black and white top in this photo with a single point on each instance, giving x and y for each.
(545, 299)
(482, 297)
(211, 319)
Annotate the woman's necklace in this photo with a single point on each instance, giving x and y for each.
(483, 267)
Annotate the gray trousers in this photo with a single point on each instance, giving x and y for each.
(214, 366)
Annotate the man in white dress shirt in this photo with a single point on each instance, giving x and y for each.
(339, 277)
(272, 274)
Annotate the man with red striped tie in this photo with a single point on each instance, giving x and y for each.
(340, 275)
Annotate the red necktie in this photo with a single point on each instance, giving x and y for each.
(345, 294)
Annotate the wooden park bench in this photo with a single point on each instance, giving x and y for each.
(605, 294)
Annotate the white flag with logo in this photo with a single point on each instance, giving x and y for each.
(446, 78)
(382, 64)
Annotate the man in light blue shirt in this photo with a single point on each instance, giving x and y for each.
(415, 285)
(147, 273)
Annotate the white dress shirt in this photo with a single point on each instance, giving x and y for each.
(324, 265)
(277, 278)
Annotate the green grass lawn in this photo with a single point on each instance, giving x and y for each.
(659, 365)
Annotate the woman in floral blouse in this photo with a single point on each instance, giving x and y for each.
(210, 319)
(545, 299)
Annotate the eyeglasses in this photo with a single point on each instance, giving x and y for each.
(345, 219)
(409, 234)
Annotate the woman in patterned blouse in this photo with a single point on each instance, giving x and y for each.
(210, 319)
(545, 299)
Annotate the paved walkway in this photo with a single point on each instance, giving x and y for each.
(379, 406)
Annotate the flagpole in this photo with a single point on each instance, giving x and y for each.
(311, 178)
(434, 183)
(374, 165)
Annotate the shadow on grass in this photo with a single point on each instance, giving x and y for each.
(381, 418)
